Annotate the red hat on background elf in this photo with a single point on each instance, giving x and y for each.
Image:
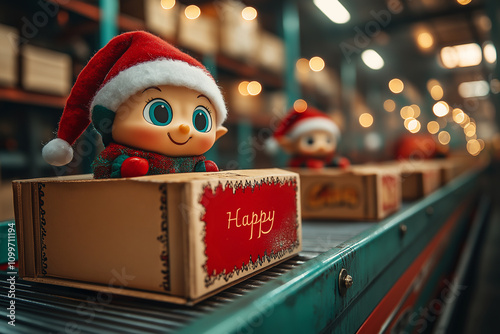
(298, 123)
(129, 63)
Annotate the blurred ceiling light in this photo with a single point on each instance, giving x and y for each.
(470, 130)
(458, 115)
(389, 105)
(463, 55)
(431, 83)
(407, 122)
(249, 13)
(302, 65)
(396, 86)
(167, 4)
(243, 88)
(466, 121)
(473, 89)
(490, 53)
(334, 10)
(473, 147)
(416, 110)
(433, 127)
(316, 64)
(366, 120)
(192, 12)
(254, 88)
(444, 137)
(437, 92)
(441, 109)
(464, 2)
(481, 144)
(425, 40)
(300, 105)
(372, 59)
(407, 112)
(414, 126)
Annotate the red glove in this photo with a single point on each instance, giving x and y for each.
(210, 166)
(344, 163)
(134, 166)
(315, 164)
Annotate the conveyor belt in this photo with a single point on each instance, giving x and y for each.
(42, 308)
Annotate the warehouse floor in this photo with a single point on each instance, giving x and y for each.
(482, 309)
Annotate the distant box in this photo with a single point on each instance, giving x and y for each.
(239, 38)
(419, 178)
(8, 55)
(271, 54)
(360, 193)
(176, 238)
(160, 21)
(46, 71)
(200, 35)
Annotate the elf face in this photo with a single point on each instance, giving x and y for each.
(170, 120)
(315, 144)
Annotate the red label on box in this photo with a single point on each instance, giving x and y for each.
(247, 226)
(390, 198)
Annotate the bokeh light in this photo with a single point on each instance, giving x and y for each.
(249, 13)
(300, 105)
(389, 105)
(396, 85)
(433, 127)
(167, 4)
(316, 64)
(444, 137)
(366, 120)
(192, 12)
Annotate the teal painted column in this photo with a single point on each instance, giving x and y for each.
(210, 63)
(291, 36)
(351, 141)
(492, 8)
(109, 10)
(108, 24)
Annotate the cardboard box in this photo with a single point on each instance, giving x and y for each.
(199, 35)
(419, 178)
(8, 55)
(177, 238)
(360, 193)
(46, 71)
(271, 54)
(160, 21)
(239, 38)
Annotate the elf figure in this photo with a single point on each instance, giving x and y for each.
(157, 109)
(311, 137)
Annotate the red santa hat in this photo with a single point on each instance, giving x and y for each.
(127, 64)
(297, 123)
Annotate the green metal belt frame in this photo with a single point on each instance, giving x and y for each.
(307, 299)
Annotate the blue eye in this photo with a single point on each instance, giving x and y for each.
(158, 112)
(201, 119)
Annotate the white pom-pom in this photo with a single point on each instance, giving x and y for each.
(271, 146)
(57, 152)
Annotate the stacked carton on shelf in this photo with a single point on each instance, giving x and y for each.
(8, 56)
(46, 71)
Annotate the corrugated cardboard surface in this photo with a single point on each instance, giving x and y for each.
(359, 193)
(90, 233)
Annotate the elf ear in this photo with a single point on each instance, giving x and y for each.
(102, 120)
(221, 131)
(286, 143)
